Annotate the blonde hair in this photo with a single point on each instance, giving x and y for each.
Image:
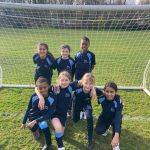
(64, 73)
(89, 77)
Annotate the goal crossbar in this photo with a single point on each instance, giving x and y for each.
(101, 87)
(74, 7)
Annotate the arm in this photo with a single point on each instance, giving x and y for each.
(93, 62)
(118, 117)
(73, 70)
(118, 120)
(41, 103)
(54, 65)
(36, 57)
(40, 119)
(92, 67)
(51, 110)
(98, 92)
(93, 92)
(27, 113)
(75, 84)
(115, 140)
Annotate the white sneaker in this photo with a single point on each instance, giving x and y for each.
(116, 148)
(84, 115)
(62, 148)
(81, 114)
(105, 134)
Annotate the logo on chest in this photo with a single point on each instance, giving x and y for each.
(112, 109)
(85, 61)
(46, 66)
(46, 107)
(67, 95)
(68, 67)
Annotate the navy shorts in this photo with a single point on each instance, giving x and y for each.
(62, 119)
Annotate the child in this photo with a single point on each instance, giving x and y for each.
(64, 100)
(82, 105)
(37, 118)
(84, 59)
(65, 62)
(45, 62)
(112, 107)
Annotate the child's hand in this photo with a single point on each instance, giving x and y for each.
(56, 89)
(41, 99)
(115, 140)
(79, 82)
(32, 123)
(93, 93)
(41, 104)
(23, 126)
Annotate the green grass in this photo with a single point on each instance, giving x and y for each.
(135, 126)
(121, 56)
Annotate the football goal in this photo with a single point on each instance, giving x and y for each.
(119, 37)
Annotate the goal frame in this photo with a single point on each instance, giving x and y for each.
(79, 8)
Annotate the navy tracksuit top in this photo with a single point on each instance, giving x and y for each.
(44, 67)
(34, 113)
(65, 64)
(83, 63)
(64, 99)
(112, 110)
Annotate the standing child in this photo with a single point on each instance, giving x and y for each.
(45, 62)
(83, 107)
(112, 107)
(37, 118)
(84, 59)
(65, 62)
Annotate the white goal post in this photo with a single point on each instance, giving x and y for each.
(119, 35)
(1, 77)
(146, 78)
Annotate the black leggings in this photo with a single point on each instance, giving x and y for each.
(89, 117)
(45, 129)
(103, 125)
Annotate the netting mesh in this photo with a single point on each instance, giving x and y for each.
(119, 39)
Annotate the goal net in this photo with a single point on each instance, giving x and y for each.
(119, 35)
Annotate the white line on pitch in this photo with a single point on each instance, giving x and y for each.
(125, 117)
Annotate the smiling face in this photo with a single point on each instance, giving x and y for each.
(87, 85)
(64, 81)
(43, 89)
(88, 82)
(84, 45)
(110, 93)
(42, 50)
(65, 53)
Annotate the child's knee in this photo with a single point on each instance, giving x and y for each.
(99, 130)
(58, 127)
